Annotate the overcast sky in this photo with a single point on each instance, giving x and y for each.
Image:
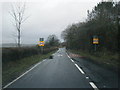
(46, 17)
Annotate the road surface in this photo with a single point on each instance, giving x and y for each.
(59, 72)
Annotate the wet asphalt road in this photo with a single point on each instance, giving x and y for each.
(59, 72)
(64, 72)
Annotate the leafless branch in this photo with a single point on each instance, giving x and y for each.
(17, 12)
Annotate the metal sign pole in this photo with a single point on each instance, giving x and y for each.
(95, 47)
(42, 49)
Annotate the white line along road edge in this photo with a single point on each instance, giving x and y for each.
(93, 85)
(22, 75)
(79, 69)
(72, 60)
(76, 65)
(68, 56)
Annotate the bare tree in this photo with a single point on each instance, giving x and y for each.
(17, 13)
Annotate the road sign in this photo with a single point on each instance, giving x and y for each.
(41, 42)
(41, 39)
(95, 40)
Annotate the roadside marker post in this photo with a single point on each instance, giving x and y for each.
(95, 42)
(41, 44)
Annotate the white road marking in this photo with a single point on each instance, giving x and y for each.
(79, 69)
(87, 77)
(44, 60)
(76, 65)
(60, 55)
(72, 60)
(93, 85)
(22, 75)
(68, 56)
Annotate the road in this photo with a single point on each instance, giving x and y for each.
(59, 72)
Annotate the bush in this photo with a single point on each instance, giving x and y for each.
(13, 54)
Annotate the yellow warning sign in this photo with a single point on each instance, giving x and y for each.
(41, 43)
(95, 41)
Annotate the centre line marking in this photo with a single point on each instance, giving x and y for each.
(79, 69)
(93, 85)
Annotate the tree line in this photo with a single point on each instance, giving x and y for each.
(103, 22)
(52, 41)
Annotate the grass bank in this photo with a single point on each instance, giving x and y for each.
(108, 59)
(13, 69)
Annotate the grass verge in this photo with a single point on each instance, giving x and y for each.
(13, 69)
(107, 59)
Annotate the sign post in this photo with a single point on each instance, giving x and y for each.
(95, 42)
(41, 44)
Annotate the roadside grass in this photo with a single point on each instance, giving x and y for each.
(13, 69)
(111, 60)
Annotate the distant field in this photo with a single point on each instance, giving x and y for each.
(15, 45)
